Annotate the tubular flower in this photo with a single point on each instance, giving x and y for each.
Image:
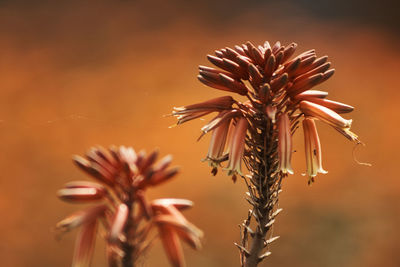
(284, 144)
(217, 143)
(312, 148)
(121, 207)
(237, 147)
(279, 91)
(325, 114)
(194, 111)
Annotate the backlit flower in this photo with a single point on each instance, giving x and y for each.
(122, 209)
(274, 95)
(279, 91)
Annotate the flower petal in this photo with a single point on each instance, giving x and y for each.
(237, 147)
(217, 142)
(84, 245)
(215, 104)
(311, 93)
(325, 114)
(81, 194)
(333, 105)
(118, 224)
(178, 203)
(80, 217)
(312, 148)
(190, 233)
(284, 144)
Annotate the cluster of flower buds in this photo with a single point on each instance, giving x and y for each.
(278, 91)
(120, 207)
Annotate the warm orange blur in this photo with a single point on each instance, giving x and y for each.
(76, 75)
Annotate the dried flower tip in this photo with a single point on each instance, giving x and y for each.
(284, 144)
(325, 114)
(348, 134)
(312, 148)
(237, 147)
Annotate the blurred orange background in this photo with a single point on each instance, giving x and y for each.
(77, 74)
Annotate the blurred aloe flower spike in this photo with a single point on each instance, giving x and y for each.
(121, 208)
(273, 91)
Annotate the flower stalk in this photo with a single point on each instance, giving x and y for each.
(280, 95)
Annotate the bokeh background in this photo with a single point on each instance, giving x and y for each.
(79, 73)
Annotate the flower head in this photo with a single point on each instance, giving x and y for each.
(121, 208)
(280, 94)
